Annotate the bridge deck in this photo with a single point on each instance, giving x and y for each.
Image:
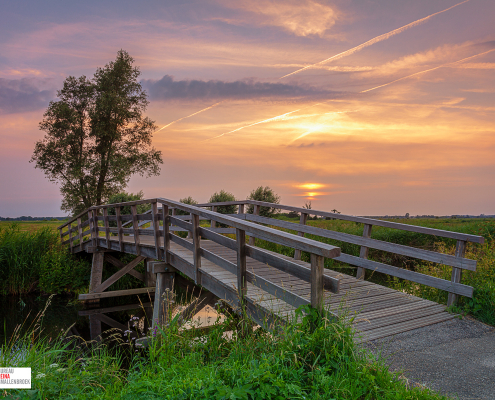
(379, 311)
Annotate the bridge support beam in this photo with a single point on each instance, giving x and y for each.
(165, 276)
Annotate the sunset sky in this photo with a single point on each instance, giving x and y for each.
(367, 107)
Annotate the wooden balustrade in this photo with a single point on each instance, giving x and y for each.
(248, 224)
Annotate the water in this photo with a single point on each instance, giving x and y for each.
(90, 322)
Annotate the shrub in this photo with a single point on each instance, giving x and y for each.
(125, 197)
(224, 196)
(186, 200)
(36, 258)
(264, 194)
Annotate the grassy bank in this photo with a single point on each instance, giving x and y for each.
(481, 306)
(314, 359)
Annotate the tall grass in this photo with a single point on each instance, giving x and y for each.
(312, 359)
(36, 261)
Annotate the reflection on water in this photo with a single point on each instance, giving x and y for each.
(133, 319)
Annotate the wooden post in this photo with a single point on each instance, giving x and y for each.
(256, 211)
(363, 252)
(196, 248)
(94, 327)
(149, 276)
(70, 235)
(96, 271)
(91, 227)
(79, 230)
(107, 227)
(135, 228)
(241, 262)
(120, 229)
(317, 266)
(302, 220)
(164, 281)
(95, 226)
(156, 231)
(213, 223)
(460, 251)
(166, 233)
(241, 209)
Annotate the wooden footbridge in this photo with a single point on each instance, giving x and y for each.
(269, 286)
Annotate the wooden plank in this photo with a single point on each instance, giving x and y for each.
(183, 224)
(196, 248)
(408, 251)
(181, 242)
(119, 264)
(317, 267)
(80, 229)
(120, 232)
(256, 211)
(135, 228)
(389, 311)
(116, 293)
(405, 326)
(262, 232)
(302, 221)
(163, 297)
(375, 323)
(460, 251)
(119, 274)
(156, 230)
(70, 237)
(107, 232)
(166, 233)
(377, 222)
(213, 223)
(105, 310)
(96, 271)
(300, 271)
(417, 277)
(241, 262)
(363, 252)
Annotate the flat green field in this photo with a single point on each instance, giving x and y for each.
(31, 226)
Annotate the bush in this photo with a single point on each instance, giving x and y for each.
(186, 200)
(221, 197)
(125, 197)
(30, 259)
(264, 194)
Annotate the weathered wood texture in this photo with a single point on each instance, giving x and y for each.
(269, 286)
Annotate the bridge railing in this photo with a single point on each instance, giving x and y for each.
(93, 228)
(458, 262)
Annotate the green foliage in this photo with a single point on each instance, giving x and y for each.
(222, 196)
(36, 260)
(186, 200)
(96, 135)
(264, 194)
(312, 359)
(124, 197)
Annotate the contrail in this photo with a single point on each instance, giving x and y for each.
(197, 112)
(428, 70)
(315, 129)
(377, 39)
(277, 118)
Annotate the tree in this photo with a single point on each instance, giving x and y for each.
(186, 200)
(96, 135)
(264, 194)
(124, 197)
(223, 196)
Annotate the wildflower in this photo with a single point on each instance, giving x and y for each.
(53, 365)
(61, 369)
(40, 375)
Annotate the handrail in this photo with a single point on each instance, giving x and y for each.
(318, 250)
(363, 220)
